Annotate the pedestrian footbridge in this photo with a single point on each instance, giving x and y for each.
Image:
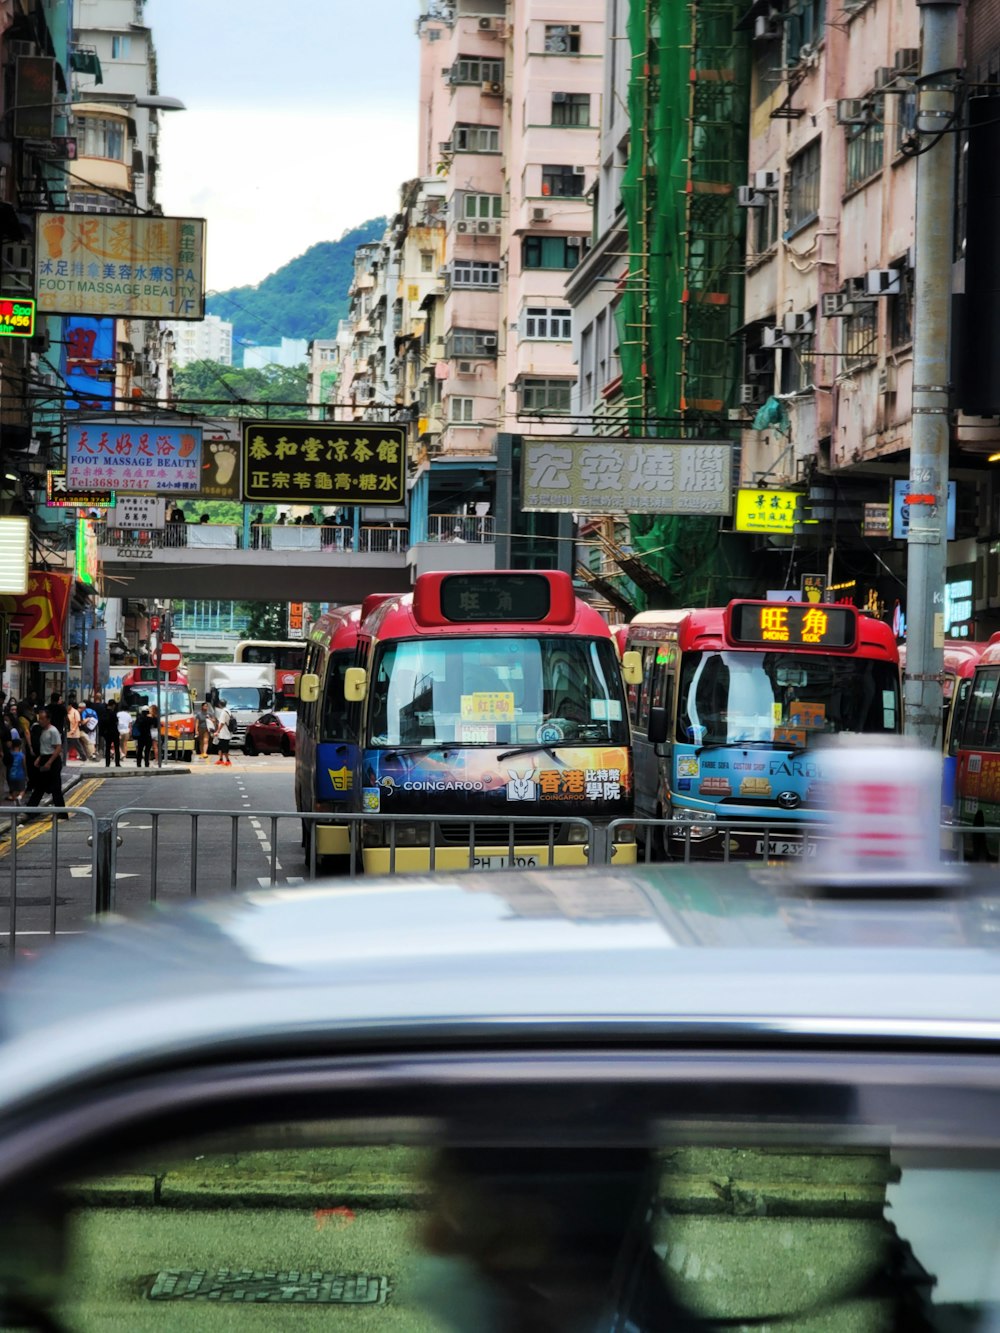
(277, 562)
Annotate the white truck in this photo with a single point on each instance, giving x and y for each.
(247, 688)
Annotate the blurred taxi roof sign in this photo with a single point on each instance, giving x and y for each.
(885, 798)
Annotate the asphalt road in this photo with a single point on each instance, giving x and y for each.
(52, 868)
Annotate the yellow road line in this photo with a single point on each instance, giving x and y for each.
(28, 833)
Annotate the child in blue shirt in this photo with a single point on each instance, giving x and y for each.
(17, 774)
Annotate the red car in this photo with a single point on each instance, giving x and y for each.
(272, 733)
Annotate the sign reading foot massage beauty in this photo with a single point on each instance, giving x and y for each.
(120, 264)
(133, 456)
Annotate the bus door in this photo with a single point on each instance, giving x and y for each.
(651, 759)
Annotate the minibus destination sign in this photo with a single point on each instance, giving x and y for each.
(795, 625)
(492, 597)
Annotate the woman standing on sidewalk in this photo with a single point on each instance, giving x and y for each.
(74, 741)
(223, 735)
(143, 733)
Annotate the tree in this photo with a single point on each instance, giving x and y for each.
(266, 620)
(243, 393)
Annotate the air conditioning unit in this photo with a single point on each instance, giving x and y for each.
(559, 97)
(461, 226)
(579, 171)
(574, 242)
(484, 227)
(13, 50)
(760, 363)
(854, 111)
(466, 368)
(437, 412)
(540, 215)
(751, 394)
(887, 380)
(766, 26)
(774, 337)
(493, 89)
(748, 197)
(884, 76)
(832, 304)
(907, 60)
(485, 25)
(490, 340)
(766, 181)
(574, 30)
(799, 321)
(444, 272)
(140, 367)
(444, 146)
(882, 282)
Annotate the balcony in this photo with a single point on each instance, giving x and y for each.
(455, 541)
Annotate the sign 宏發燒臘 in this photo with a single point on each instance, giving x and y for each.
(163, 459)
(767, 511)
(633, 476)
(310, 462)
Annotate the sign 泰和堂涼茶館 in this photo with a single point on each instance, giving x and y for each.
(601, 476)
(128, 265)
(355, 463)
(162, 459)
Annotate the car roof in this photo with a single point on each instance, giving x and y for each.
(667, 953)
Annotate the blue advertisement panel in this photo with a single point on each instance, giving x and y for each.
(88, 347)
(336, 765)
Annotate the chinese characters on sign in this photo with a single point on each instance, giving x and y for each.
(17, 318)
(164, 459)
(59, 496)
(767, 511)
(87, 349)
(352, 463)
(796, 624)
(120, 264)
(138, 512)
(296, 620)
(600, 476)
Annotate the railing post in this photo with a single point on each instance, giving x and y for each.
(103, 866)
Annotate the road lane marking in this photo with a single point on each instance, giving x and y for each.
(30, 832)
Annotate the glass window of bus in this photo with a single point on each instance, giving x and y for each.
(955, 715)
(639, 694)
(977, 717)
(731, 697)
(338, 724)
(173, 699)
(662, 678)
(496, 691)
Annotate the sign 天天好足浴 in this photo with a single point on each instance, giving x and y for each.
(163, 459)
(300, 462)
(39, 616)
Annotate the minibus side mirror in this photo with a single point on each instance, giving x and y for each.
(632, 667)
(658, 726)
(308, 688)
(355, 684)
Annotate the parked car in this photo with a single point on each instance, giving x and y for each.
(272, 733)
(680, 1097)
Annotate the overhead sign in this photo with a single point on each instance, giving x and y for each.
(296, 620)
(88, 345)
(59, 496)
(767, 511)
(309, 462)
(118, 457)
(901, 495)
(40, 617)
(631, 476)
(794, 625)
(138, 512)
(877, 521)
(220, 459)
(132, 266)
(17, 317)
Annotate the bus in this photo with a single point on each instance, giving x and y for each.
(139, 690)
(961, 657)
(731, 705)
(476, 694)
(287, 657)
(975, 745)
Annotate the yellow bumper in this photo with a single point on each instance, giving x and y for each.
(331, 841)
(409, 860)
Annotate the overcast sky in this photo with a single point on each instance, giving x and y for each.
(300, 122)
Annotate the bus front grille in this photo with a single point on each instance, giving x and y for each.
(464, 834)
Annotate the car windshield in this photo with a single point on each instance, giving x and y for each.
(783, 698)
(243, 696)
(489, 691)
(173, 700)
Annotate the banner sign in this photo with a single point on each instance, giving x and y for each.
(877, 521)
(34, 97)
(814, 587)
(59, 496)
(87, 346)
(631, 476)
(136, 267)
(296, 620)
(138, 511)
(17, 317)
(901, 510)
(40, 617)
(767, 511)
(220, 459)
(162, 459)
(86, 551)
(308, 462)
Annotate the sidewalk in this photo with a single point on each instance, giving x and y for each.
(96, 768)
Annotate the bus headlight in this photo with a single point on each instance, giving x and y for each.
(695, 820)
(576, 833)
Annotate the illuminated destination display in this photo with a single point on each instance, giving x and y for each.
(794, 624)
(492, 597)
(17, 318)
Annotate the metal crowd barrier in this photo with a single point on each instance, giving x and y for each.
(24, 862)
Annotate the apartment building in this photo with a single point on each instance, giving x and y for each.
(209, 339)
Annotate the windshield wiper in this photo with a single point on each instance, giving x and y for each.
(528, 749)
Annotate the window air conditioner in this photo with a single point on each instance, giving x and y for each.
(559, 97)
(444, 271)
(579, 171)
(882, 282)
(760, 363)
(887, 380)
(884, 75)
(574, 242)
(490, 340)
(853, 111)
(767, 181)
(774, 336)
(574, 30)
(750, 394)
(465, 368)
(444, 146)
(766, 26)
(748, 197)
(907, 60)
(832, 304)
(798, 321)
(539, 215)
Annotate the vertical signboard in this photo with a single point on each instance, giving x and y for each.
(34, 97)
(87, 354)
(296, 620)
(40, 617)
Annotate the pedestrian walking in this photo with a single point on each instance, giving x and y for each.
(156, 733)
(123, 721)
(47, 776)
(142, 730)
(223, 734)
(74, 741)
(17, 773)
(107, 731)
(206, 729)
(57, 712)
(88, 730)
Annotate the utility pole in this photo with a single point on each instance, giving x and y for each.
(927, 547)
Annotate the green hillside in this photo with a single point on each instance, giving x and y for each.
(303, 299)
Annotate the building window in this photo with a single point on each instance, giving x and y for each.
(539, 395)
(426, 261)
(101, 138)
(475, 139)
(461, 411)
(859, 337)
(864, 151)
(901, 312)
(571, 108)
(803, 186)
(906, 120)
(474, 69)
(797, 363)
(551, 251)
(550, 323)
(764, 225)
(767, 69)
(562, 39)
(474, 273)
(563, 182)
(471, 342)
(481, 206)
(121, 47)
(803, 28)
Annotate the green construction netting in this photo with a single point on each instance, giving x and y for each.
(681, 304)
